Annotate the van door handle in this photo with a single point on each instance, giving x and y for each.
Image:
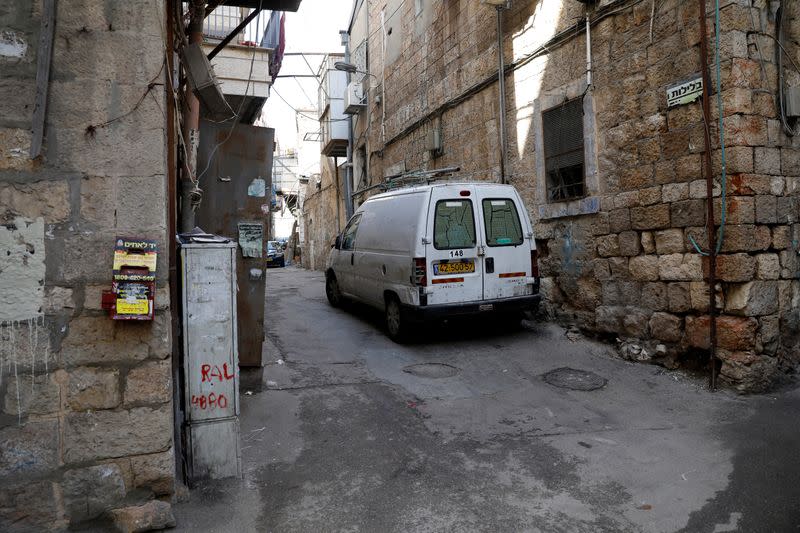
(352, 259)
(489, 265)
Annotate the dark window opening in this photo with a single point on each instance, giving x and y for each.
(563, 151)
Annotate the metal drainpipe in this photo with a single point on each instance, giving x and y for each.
(712, 245)
(348, 178)
(588, 50)
(338, 196)
(191, 124)
(501, 88)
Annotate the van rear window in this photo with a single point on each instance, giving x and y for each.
(502, 222)
(453, 225)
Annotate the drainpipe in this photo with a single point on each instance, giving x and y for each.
(348, 178)
(501, 88)
(338, 196)
(191, 124)
(712, 245)
(588, 51)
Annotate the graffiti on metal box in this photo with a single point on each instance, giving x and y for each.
(209, 401)
(209, 373)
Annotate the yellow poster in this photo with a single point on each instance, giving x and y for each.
(133, 307)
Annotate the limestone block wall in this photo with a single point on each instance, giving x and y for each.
(320, 214)
(620, 260)
(86, 419)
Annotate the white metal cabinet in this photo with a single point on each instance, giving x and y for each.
(211, 365)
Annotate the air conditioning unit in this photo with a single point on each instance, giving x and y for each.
(354, 100)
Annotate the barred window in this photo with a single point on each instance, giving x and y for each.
(563, 151)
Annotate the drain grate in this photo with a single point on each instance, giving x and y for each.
(431, 370)
(571, 378)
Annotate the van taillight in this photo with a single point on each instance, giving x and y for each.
(420, 277)
(535, 263)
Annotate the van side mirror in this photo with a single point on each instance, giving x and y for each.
(337, 243)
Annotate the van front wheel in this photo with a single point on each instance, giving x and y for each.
(332, 290)
(395, 325)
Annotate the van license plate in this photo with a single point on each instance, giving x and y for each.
(454, 267)
(486, 307)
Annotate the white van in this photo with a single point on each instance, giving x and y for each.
(437, 251)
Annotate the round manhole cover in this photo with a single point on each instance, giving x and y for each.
(431, 370)
(571, 378)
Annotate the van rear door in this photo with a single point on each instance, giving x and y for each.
(455, 270)
(507, 260)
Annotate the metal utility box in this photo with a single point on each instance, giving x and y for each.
(211, 375)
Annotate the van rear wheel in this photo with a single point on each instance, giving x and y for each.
(332, 290)
(395, 324)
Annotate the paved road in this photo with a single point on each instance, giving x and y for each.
(343, 432)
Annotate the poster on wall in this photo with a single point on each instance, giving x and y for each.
(251, 238)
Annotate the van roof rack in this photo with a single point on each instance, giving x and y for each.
(410, 178)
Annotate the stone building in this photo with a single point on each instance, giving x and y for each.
(90, 149)
(86, 417)
(323, 214)
(612, 175)
(325, 203)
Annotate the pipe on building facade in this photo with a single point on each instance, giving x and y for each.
(348, 178)
(588, 50)
(712, 246)
(191, 124)
(501, 88)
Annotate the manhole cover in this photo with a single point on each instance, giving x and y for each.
(571, 378)
(431, 370)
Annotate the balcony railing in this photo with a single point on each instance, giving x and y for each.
(224, 19)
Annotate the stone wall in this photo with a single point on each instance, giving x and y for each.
(321, 218)
(86, 419)
(620, 260)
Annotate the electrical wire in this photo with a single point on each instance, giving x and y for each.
(300, 112)
(723, 178)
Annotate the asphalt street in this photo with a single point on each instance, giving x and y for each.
(460, 430)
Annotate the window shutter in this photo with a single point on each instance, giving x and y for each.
(563, 150)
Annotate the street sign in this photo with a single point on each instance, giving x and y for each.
(685, 92)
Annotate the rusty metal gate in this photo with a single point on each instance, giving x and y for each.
(237, 190)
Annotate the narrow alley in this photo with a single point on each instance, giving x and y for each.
(465, 430)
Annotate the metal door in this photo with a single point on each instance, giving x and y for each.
(507, 260)
(454, 265)
(237, 188)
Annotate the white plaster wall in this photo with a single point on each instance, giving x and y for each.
(22, 269)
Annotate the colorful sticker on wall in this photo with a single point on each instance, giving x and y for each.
(136, 253)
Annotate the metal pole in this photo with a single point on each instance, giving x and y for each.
(501, 88)
(172, 209)
(588, 50)
(348, 179)
(191, 124)
(712, 244)
(338, 196)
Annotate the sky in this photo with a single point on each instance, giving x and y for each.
(314, 28)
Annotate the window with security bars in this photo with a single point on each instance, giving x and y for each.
(563, 151)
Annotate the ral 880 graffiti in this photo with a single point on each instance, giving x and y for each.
(209, 401)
